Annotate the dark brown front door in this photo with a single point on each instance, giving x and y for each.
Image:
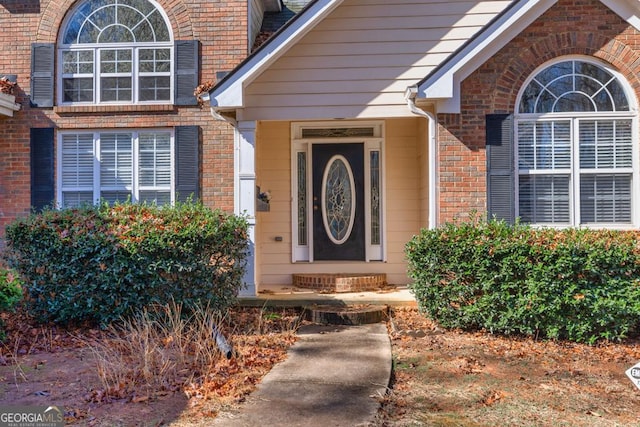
(338, 202)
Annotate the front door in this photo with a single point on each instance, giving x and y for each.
(338, 202)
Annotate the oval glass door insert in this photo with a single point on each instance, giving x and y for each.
(338, 199)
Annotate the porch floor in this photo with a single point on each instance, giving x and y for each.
(289, 296)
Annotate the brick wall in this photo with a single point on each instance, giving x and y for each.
(571, 27)
(221, 28)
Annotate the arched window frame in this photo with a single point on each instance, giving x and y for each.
(159, 83)
(574, 171)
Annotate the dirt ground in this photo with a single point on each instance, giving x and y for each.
(441, 378)
(42, 365)
(68, 379)
(451, 378)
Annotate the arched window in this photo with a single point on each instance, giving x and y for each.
(116, 52)
(575, 143)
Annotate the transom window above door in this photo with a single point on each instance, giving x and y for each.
(116, 52)
(576, 147)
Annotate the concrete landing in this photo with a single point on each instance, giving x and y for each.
(287, 296)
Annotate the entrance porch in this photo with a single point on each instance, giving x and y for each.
(291, 296)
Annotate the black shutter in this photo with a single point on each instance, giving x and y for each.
(186, 72)
(500, 167)
(42, 174)
(42, 72)
(187, 162)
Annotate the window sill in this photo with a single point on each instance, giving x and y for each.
(93, 109)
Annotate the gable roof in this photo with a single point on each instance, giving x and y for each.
(227, 94)
(442, 85)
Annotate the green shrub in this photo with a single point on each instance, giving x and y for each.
(577, 284)
(10, 289)
(10, 293)
(97, 264)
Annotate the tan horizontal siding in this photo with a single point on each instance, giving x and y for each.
(369, 48)
(392, 35)
(309, 100)
(324, 111)
(366, 86)
(410, 22)
(347, 75)
(362, 62)
(364, 54)
(402, 176)
(410, 9)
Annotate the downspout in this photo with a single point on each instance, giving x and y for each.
(432, 162)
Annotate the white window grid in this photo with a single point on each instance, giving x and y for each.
(573, 170)
(87, 24)
(81, 166)
(135, 74)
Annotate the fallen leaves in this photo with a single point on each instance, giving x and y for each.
(260, 339)
(471, 377)
(7, 87)
(439, 375)
(493, 396)
(234, 378)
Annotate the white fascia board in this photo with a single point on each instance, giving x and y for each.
(8, 105)
(448, 105)
(629, 10)
(445, 82)
(230, 94)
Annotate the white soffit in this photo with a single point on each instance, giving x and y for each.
(229, 93)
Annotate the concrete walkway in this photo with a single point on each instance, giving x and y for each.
(333, 376)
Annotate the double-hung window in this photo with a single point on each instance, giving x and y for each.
(115, 166)
(576, 159)
(116, 52)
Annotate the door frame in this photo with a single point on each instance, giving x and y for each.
(303, 137)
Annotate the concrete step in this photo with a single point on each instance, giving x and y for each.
(346, 315)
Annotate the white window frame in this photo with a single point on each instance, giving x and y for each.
(136, 74)
(575, 171)
(135, 185)
(304, 253)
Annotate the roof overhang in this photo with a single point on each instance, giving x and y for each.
(228, 94)
(8, 105)
(442, 85)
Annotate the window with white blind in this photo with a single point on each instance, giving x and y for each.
(115, 52)
(575, 133)
(115, 166)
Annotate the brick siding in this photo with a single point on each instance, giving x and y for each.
(571, 27)
(221, 28)
(331, 283)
